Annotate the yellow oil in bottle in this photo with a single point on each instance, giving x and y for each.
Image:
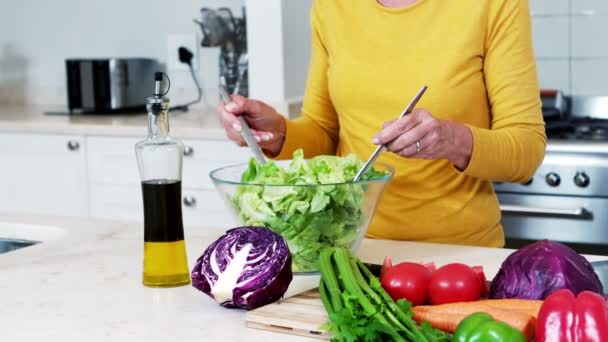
(165, 264)
(165, 261)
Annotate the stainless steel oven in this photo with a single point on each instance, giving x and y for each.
(567, 198)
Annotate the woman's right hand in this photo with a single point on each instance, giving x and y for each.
(267, 126)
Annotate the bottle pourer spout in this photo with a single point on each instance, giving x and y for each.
(158, 78)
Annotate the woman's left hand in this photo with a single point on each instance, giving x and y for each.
(421, 135)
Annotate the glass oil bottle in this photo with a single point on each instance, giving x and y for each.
(159, 157)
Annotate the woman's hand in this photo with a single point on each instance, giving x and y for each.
(421, 135)
(267, 126)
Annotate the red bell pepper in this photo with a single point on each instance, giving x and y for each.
(566, 318)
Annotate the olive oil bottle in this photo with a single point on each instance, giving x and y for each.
(160, 167)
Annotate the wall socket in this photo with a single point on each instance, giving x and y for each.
(187, 40)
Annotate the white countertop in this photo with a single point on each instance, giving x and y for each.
(198, 123)
(85, 285)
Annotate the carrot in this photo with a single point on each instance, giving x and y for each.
(531, 307)
(442, 321)
(448, 316)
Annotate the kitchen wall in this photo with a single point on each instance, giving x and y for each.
(37, 36)
(571, 46)
(280, 52)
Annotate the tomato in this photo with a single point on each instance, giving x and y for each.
(485, 289)
(454, 283)
(388, 263)
(408, 281)
(430, 266)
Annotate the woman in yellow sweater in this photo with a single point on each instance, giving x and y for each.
(481, 120)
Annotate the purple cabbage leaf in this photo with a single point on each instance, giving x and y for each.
(541, 268)
(245, 268)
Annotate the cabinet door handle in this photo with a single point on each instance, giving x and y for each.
(73, 145)
(188, 151)
(190, 201)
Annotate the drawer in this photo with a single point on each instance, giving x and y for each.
(116, 202)
(124, 203)
(112, 160)
(202, 157)
(203, 208)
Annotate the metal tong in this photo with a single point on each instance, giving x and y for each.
(245, 130)
(381, 148)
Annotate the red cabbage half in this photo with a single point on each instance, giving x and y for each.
(245, 268)
(539, 269)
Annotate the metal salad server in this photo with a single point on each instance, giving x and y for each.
(381, 148)
(245, 130)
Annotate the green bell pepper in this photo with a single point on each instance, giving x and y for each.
(481, 327)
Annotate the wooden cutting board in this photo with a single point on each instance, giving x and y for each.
(302, 315)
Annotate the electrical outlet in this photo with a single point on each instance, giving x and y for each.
(187, 40)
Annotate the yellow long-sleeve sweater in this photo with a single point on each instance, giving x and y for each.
(476, 57)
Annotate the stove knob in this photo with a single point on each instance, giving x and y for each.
(581, 179)
(553, 179)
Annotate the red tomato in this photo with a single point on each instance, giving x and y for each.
(485, 289)
(388, 263)
(454, 283)
(408, 281)
(430, 266)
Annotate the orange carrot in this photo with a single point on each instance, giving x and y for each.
(448, 316)
(531, 307)
(442, 321)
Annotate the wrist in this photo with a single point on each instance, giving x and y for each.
(461, 145)
(274, 148)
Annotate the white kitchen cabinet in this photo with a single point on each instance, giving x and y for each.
(205, 208)
(43, 174)
(204, 156)
(114, 182)
(116, 202)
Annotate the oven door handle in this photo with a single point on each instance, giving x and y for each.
(580, 213)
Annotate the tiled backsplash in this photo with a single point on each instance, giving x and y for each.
(571, 45)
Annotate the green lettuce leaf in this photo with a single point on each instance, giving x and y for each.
(324, 213)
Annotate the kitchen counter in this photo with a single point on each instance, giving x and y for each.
(85, 285)
(198, 123)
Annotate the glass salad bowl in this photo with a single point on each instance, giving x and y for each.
(309, 202)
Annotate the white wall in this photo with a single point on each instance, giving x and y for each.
(278, 34)
(296, 42)
(36, 36)
(266, 72)
(570, 45)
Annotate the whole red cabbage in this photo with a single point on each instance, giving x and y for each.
(539, 269)
(245, 268)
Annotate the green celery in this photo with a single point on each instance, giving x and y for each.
(342, 258)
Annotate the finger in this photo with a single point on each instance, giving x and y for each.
(388, 123)
(236, 137)
(263, 135)
(392, 131)
(240, 105)
(427, 148)
(408, 138)
(229, 120)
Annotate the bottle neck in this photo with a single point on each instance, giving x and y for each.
(158, 125)
(158, 117)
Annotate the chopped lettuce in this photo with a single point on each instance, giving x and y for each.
(322, 210)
